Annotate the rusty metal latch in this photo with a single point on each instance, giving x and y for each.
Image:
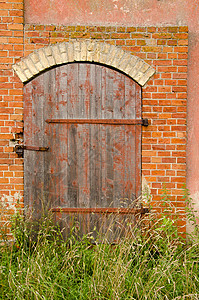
(143, 122)
(19, 149)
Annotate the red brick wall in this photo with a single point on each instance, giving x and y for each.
(11, 103)
(164, 96)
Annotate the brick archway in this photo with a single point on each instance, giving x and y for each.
(87, 51)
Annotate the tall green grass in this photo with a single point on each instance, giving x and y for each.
(154, 262)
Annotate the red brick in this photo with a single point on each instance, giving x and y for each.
(181, 49)
(120, 36)
(158, 172)
(169, 134)
(18, 13)
(151, 49)
(158, 95)
(167, 69)
(181, 36)
(179, 89)
(173, 55)
(183, 29)
(172, 43)
(15, 27)
(161, 42)
(164, 153)
(161, 35)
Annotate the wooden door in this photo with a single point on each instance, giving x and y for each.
(86, 114)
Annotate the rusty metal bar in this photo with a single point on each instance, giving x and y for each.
(19, 149)
(32, 148)
(143, 122)
(102, 210)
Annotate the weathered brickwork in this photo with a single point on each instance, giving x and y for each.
(11, 104)
(163, 99)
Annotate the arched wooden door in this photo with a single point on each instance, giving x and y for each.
(90, 118)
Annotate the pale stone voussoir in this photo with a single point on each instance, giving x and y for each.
(70, 49)
(56, 54)
(25, 69)
(83, 55)
(20, 73)
(31, 66)
(63, 48)
(144, 68)
(28, 73)
(136, 68)
(118, 57)
(49, 56)
(83, 50)
(90, 49)
(111, 56)
(124, 61)
(36, 60)
(132, 62)
(96, 53)
(104, 52)
(23, 65)
(146, 76)
(43, 58)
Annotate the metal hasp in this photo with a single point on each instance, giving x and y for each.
(143, 122)
(19, 149)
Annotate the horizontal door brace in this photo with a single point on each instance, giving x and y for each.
(103, 210)
(143, 122)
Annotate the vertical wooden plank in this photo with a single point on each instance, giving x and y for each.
(105, 139)
(83, 142)
(37, 140)
(73, 109)
(52, 185)
(118, 135)
(104, 202)
(95, 133)
(130, 173)
(61, 146)
(34, 161)
(138, 115)
(61, 100)
(28, 186)
(83, 135)
(109, 108)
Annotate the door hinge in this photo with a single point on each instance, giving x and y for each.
(19, 149)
